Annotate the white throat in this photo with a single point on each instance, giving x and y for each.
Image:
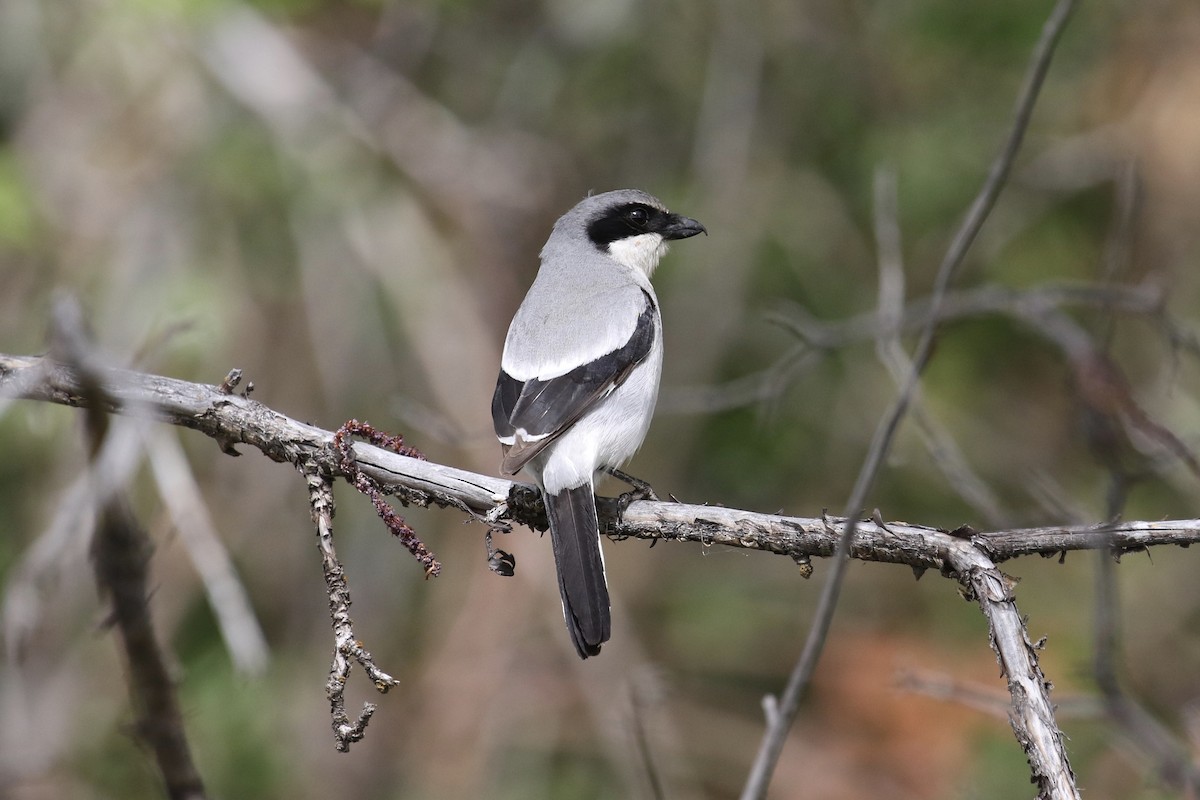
(641, 252)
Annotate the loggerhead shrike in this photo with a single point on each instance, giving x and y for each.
(579, 379)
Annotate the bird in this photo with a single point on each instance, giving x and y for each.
(579, 379)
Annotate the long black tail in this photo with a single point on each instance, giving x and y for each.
(575, 537)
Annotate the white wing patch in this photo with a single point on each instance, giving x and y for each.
(520, 434)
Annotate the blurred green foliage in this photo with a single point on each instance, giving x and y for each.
(346, 200)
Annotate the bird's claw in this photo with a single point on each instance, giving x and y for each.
(640, 490)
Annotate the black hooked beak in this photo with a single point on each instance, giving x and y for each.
(679, 227)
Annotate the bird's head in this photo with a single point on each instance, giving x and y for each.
(630, 226)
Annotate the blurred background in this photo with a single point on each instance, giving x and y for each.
(346, 200)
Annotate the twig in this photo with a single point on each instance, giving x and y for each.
(978, 301)
(226, 595)
(363, 483)
(120, 553)
(1101, 385)
(757, 388)
(641, 742)
(985, 699)
(347, 648)
(71, 527)
(776, 734)
(1053, 499)
(944, 451)
(1136, 724)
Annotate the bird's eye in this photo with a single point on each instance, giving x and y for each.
(638, 217)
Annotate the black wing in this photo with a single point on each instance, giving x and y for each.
(544, 410)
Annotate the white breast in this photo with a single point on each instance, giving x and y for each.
(609, 433)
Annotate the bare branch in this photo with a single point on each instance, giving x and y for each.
(347, 648)
(226, 594)
(227, 418)
(985, 699)
(1032, 714)
(120, 553)
(1146, 298)
(881, 442)
(964, 554)
(945, 452)
(232, 420)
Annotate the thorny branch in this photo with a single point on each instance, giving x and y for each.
(1032, 714)
(232, 418)
(967, 555)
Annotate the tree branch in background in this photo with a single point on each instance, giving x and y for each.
(944, 451)
(963, 304)
(1108, 403)
(227, 596)
(120, 553)
(1032, 721)
(1137, 726)
(1048, 773)
(987, 699)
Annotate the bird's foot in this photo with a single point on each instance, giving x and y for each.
(640, 491)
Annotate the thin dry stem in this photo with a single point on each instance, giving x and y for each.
(777, 729)
(120, 553)
(347, 649)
